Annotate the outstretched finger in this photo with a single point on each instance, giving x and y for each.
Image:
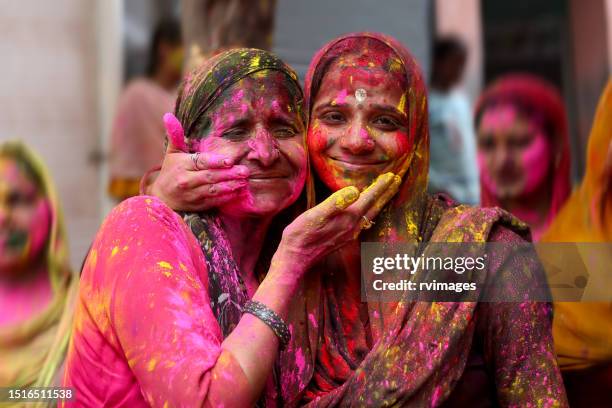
(372, 194)
(176, 136)
(380, 203)
(333, 204)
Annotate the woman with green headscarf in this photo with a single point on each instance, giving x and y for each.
(36, 282)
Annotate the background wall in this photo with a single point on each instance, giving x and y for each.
(302, 27)
(462, 19)
(48, 95)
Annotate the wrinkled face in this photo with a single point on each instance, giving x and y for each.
(24, 218)
(514, 153)
(257, 124)
(359, 126)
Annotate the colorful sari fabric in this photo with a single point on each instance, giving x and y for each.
(587, 216)
(583, 331)
(160, 290)
(415, 353)
(32, 352)
(537, 97)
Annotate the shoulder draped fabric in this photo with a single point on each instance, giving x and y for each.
(583, 331)
(416, 351)
(538, 96)
(32, 352)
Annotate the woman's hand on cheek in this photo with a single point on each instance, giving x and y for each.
(335, 222)
(186, 185)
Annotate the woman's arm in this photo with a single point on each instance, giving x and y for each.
(160, 310)
(159, 307)
(517, 336)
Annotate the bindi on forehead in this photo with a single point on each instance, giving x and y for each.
(352, 89)
(360, 95)
(349, 80)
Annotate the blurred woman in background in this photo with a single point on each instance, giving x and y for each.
(137, 140)
(523, 149)
(37, 287)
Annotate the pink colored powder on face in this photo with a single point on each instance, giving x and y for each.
(238, 95)
(485, 175)
(22, 298)
(511, 166)
(341, 98)
(276, 107)
(363, 133)
(39, 231)
(535, 162)
(244, 129)
(264, 146)
(358, 136)
(31, 219)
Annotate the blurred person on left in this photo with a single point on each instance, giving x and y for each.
(523, 149)
(137, 140)
(36, 282)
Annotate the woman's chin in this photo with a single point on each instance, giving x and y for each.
(338, 183)
(258, 205)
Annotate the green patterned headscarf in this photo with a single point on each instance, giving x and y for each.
(203, 86)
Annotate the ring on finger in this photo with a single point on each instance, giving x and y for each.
(194, 158)
(367, 223)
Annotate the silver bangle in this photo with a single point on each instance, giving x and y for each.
(270, 318)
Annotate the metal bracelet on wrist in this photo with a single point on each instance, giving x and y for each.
(269, 317)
